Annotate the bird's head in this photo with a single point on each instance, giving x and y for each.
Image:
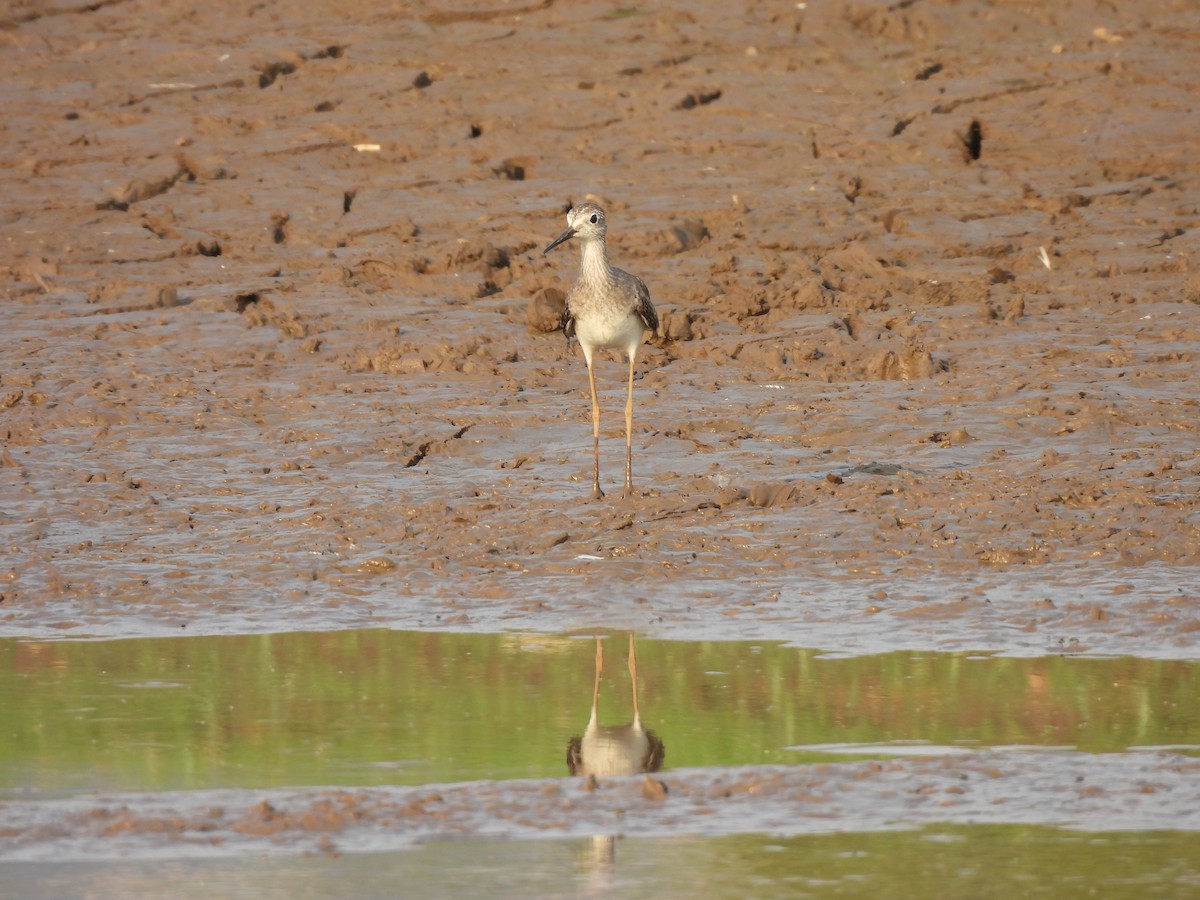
(584, 221)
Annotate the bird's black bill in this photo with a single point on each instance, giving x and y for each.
(565, 236)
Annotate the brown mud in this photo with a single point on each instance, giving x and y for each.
(273, 292)
(1133, 792)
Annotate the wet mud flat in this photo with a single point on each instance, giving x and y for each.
(275, 349)
(273, 315)
(1081, 791)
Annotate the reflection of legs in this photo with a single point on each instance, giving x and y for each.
(596, 492)
(633, 677)
(629, 431)
(599, 669)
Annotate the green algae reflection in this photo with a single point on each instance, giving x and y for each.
(384, 707)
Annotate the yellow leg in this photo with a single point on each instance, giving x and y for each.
(599, 669)
(629, 433)
(596, 492)
(633, 677)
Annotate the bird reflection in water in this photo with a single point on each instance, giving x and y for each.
(611, 750)
(615, 749)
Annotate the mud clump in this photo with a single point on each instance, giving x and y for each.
(546, 308)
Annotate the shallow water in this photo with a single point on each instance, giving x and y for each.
(379, 707)
(299, 763)
(947, 860)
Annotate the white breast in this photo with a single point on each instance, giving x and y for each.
(615, 331)
(621, 750)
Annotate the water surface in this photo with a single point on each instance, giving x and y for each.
(982, 861)
(357, 708)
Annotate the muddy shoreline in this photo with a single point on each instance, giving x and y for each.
(275, 359)
(991, 788)
(926, 373)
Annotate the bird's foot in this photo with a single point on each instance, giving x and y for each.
(597, 494)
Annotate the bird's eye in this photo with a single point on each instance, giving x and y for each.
(595, 218)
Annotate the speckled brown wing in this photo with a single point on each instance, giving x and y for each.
(644, 308)
(657, 751)
(566, 322)
(574, 755)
